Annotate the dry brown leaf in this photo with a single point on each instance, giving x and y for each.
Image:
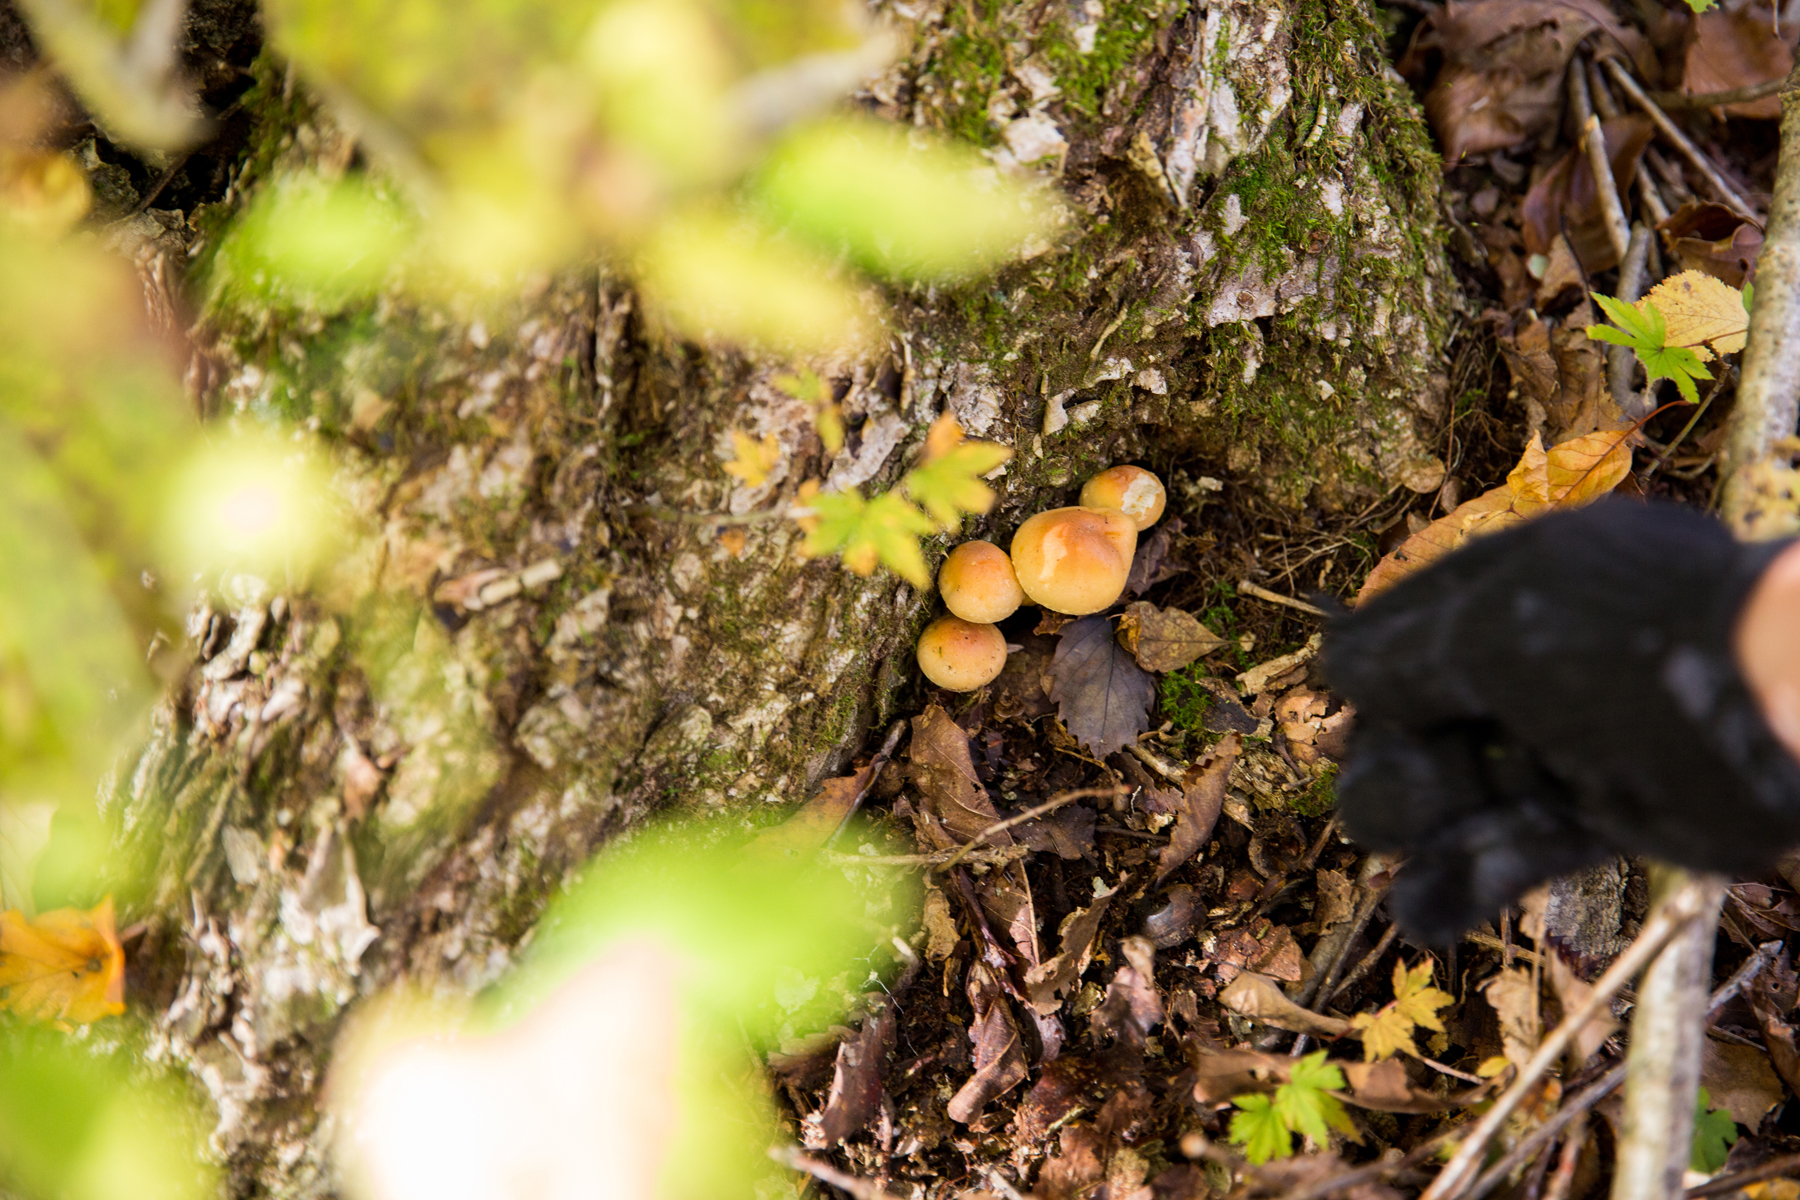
(1049, 983)
(1261, 998)
(1561, 374)
(1566, 200)
(1740, 1080)
(1513, 998)
(1164, 639)
(1315, 724)
(1101, 694)
(1572, 992)
(1712, 238)
(1699, 310)
(999, 1057)
(65, 965)
(1735, 50)
(1202, 799)
(1576, 472)
(813, 823)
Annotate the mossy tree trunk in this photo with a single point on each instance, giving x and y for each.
(1251, 289)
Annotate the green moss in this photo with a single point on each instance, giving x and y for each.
(1321, 797)
(1183, 700)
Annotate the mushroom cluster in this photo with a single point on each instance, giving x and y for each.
(1069, 560)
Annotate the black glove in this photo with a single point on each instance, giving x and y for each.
(1549, 696)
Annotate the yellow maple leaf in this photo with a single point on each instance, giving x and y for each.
(1389, 1031)
(754, 459)
(65, 965)
(1700, 310)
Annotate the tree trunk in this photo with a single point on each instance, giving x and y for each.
(1251, 289)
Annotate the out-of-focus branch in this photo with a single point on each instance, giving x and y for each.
(1769, 385)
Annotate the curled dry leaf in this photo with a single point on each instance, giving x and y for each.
(1514, 1001)
(1315, 724)
(1561, 374)
(855, 1096)
(1102, 695)
(1164, 639)
(1576, 472)
(1151, 564)
(1258, 679)
(65, 965)
(1202, 798)
(1049, 982)
(999, 1059)
(1261, 998)
(1712, 238)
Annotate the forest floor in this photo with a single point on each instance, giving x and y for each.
(1130, 967)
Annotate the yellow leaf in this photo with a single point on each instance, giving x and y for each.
(1384, 1033)
(1491, 1067)
(754, 459)
(65, 965)
(42, 191)
(1699, 310)
(1416, 999)
(1569, 475)
(944, 436)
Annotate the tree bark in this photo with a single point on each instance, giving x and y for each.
(567, 638)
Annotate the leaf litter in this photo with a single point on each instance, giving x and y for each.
(1104, 993)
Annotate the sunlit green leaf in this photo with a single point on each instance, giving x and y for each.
(911, 208)
(885, 531)
(333, 241)
(1259, 1129)
(1714, 1133)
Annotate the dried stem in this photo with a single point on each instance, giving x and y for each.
(1669, 918)
(1676, 101)
(1679, 140)
(1621, 362)
(1031, 814)
(1593, 142)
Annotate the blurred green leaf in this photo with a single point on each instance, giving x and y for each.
(902, 204)
(329, 241)
(76, 1124)
(884, 530)
(715, 277)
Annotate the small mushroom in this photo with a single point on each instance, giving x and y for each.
(978, 584)
(961, 655)
(1132, 490)
(1074, 560)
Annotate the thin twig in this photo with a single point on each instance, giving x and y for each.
(1262, 593)
(1669, 918)
(991, 858)
(1363, 965)
(1652, 197)
(1775, 1168)
(1621, 363)
(1030, 814)
(1712, 393)
(1679, 140)
(1608, 1083)
(875, 765)
(1676, 101)
(1564, 1179)
(1593, 143)
(863, 1189)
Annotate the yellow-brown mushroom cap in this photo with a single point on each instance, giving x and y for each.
(961, 655)
(1133, 491)
(978, 584)
(1074, 560)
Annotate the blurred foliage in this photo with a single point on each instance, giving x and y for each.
(81, 1123)
(767, 942)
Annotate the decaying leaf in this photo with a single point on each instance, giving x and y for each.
(1736, 49)
(1565, 202)
(65, 965)
(1699, 311)
(999, 1059)
(1712, 238)
(1561, 376)
(1261, 998)
(1389, 1031)
(1152, 563)
(1576, 472)
(1513, 997)
(752, 459)
(1164, 639)
(855, 1096)
(1740, 1080)
(813, 823)
(1315, 724)
(1572, 992)
(1048, 983)
(1102, 695)
(1504, 61)
(1202, 799)
(1262, 676)
(1133, 1006)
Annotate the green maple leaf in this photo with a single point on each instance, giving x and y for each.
(1642, 329)
(950, 485)
(863, 533)
(1714, 1132)
(1305, 1103)
(1259, 1129)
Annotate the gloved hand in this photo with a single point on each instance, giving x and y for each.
(1567, 690)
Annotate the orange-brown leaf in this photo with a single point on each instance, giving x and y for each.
(1569, 475)
(65, 965)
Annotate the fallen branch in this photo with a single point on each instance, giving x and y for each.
(1668, 919)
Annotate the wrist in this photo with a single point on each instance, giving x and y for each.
(1766, 645)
